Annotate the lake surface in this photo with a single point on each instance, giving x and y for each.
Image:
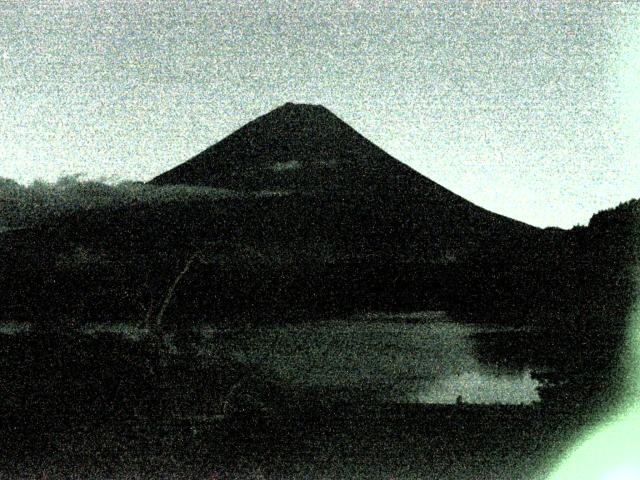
(415, 357)
(419, 357)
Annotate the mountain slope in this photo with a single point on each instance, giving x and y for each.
(338, 178)
(304, 148)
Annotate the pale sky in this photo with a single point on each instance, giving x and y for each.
(529, 109)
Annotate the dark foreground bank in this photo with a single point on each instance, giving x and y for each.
(103, 407)
(337, 442)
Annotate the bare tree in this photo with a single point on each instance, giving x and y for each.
(157, 324)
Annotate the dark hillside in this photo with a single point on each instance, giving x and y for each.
(580, 302)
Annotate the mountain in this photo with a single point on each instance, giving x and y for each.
(307, 149)
(296, 212)
(334, 182)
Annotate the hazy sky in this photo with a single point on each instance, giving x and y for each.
(530, 109)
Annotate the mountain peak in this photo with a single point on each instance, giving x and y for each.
(299, 107)
(294, 105)
(306, 111)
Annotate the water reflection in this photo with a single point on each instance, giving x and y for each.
(407, 360)
(415, 357)
(14, 328)
(482, 387)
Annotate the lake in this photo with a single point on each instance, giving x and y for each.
(408, 362)
(418, 357)
(414, 357)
